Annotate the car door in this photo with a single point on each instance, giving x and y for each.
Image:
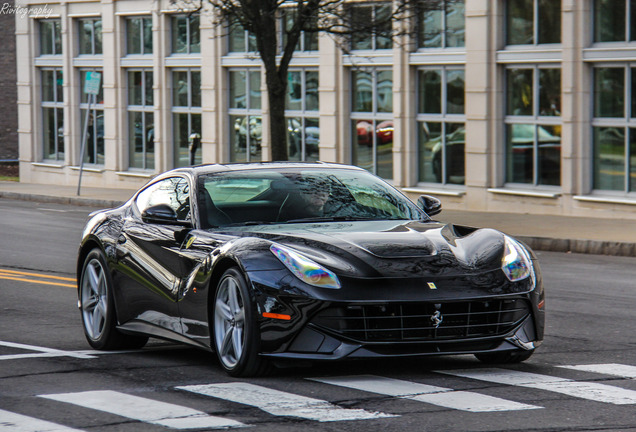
(150, 265)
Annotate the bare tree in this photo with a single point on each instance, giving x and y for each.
(336, 17)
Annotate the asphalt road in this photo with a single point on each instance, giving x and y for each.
(50, 380)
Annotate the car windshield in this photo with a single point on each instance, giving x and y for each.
(295, 196)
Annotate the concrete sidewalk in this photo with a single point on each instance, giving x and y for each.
(541, 232)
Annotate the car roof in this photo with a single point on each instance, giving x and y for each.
(229, 167)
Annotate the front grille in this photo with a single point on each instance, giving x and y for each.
(420, 322)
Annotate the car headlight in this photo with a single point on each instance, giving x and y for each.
(305, 269)
(516, 263)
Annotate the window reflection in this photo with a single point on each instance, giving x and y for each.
(186, 37)
(519, 92)
(609, 158)
(245, 142)
(375, 38)
(50, 37)
(609, 21)
(441, 152)
(174, 192)
(527, 142)
(530, 22)
(550, 92)
(442, 24)
(609, 92)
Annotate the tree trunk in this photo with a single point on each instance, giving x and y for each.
(276, 92)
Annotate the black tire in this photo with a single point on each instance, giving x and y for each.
(97, 307)
(235, 333)
(504, 357)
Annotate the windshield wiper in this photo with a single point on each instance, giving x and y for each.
(331, 219)
(249, 223)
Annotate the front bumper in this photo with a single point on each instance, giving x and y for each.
(398, 317)
(314, 344)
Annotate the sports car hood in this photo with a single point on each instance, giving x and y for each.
(391, 248)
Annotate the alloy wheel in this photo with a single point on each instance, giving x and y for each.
(229, 322)
(94, 299)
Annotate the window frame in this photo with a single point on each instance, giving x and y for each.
(190, 110)
(444, 118)
(444, 29)
(627, 123)
(305, 36)
(535, 26)
(249, 40)
(57, 105)
(56, 36)
(377, 117)
(627, 31)
(144, 109)
(142, 42)
(93, 38)
(188, 43)
(372, 33)
(304, 114)
(536, 120)
(96, 107)
(248, 112)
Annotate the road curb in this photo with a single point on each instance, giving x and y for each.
(593, 247)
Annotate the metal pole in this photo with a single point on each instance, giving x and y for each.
(84, 137)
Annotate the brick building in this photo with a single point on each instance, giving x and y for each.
(8, 92)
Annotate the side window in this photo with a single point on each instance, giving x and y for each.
(174, 192)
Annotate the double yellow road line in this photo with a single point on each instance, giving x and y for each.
(37, 278)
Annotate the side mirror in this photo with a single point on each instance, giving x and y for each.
(162, 214)
(429, 204)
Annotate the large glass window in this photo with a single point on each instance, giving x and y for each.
(90, 36)
(441, 125)
(241, 40)
(139, 35)
(50, 37)
(186, 37)
(308, 40)
(245, 115)
(371, 37)
(533, 126)
(531, 22)
(614, 128)
(372, 120)
(614, 20)
(53, 114)
(186, 114)
(141, 125)
(303, 127)
(94, 150)
(442, 24)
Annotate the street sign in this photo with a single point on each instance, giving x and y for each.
(91, 88)
(91, 85)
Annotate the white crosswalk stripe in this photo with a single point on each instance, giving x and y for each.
(613, 369)
(580, 389)
(280, 403)
(440, 396)
(12, 422)
(145, 410)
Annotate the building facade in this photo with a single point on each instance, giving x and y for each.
(493, 105)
